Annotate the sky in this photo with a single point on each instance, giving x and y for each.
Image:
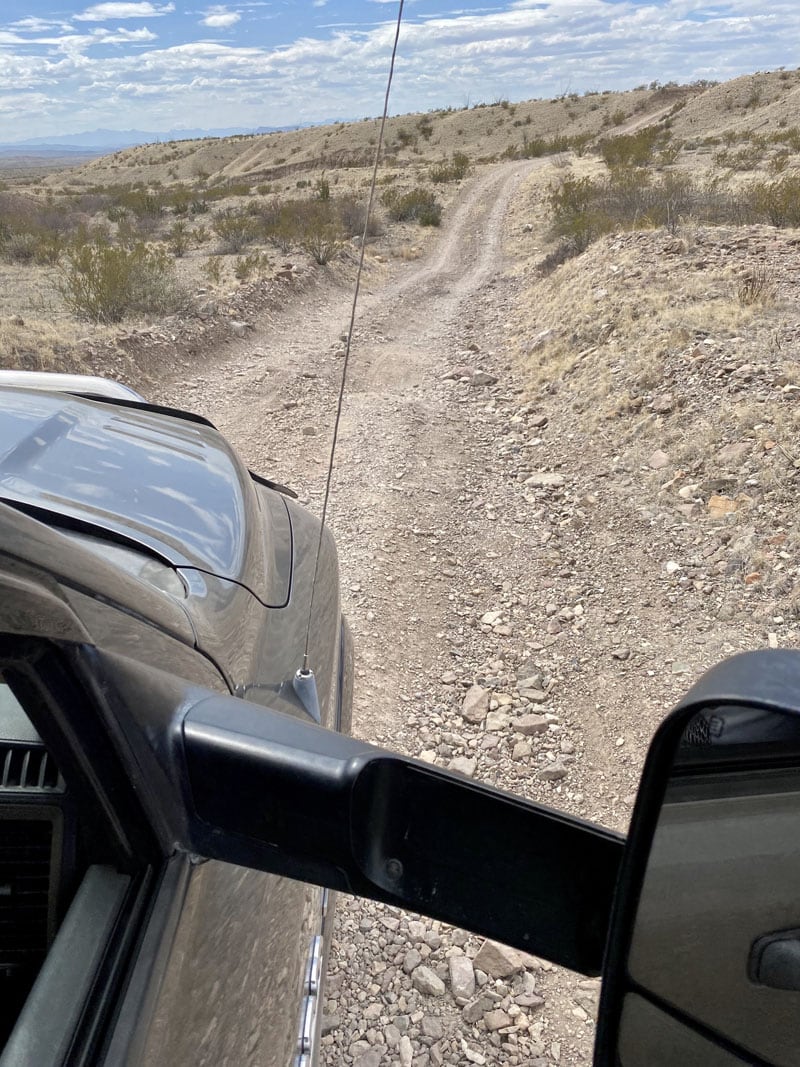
(68, 67)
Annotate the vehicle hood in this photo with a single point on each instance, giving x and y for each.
(170, 485)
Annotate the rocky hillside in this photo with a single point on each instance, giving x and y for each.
(697, 115)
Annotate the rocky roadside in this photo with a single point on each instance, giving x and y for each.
(584, 598)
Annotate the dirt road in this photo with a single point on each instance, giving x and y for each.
(463, 565)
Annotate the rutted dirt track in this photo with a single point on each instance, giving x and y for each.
(462, 566)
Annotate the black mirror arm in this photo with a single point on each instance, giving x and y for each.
(278, 794)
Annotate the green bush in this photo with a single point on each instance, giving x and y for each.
(245, 266)
(418, 205)
(425, 127)
(235, 229)
(18, 248)
(537, 147)
(452, 171)
(777, 201)
(104, 283)
(320, 232)
(578, 217)
(141, 203)
(583, 209)
(178, 239)
(632, 149)
(353, 214)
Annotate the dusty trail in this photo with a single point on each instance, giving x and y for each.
(403, 454)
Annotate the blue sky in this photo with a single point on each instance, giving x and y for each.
(67, 66)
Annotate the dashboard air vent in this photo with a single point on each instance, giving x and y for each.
(28, 768)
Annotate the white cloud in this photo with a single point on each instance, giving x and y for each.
(119, 36)
(138, 9)
(37, 25)
(526, 48)
(220, 18)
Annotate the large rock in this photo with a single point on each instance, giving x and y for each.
(482, 377)
(545, 480)
(463, 765)
(533, 696)
(498, 961)
(554, 772)
(462, 977)
(475, 1009)
(497, 720)
(427, 981)
(530, 725)
(497, 1019)
(476, 704)
(373, 1058)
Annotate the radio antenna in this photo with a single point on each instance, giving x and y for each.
(304, 683)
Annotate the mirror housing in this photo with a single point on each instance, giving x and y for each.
(716, 814)
(237, 782)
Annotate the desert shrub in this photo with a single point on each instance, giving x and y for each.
(322, 188)
(578, 217)
(452, 171)
(212, 270)
(352, 214)
(779, 162)
(18, 248)
(537, 147)
(245, 266)
(320, 232)
(178, 239)
(404, 137)
(425, 127)
(281, 222)
(776, 201)
(789, 136)
(105, 283)
(748, 157)
(757, 286)
(418, 205)
(235, 229)
(181, 201)
(141, 203)
(632, 149)
(583, 209)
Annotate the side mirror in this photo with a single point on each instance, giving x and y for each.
(703, 963)
(240, 783)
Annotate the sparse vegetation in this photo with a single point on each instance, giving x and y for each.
(103, 283)
(757, 286)
(418, 205)
(453, 170)
(299, 197)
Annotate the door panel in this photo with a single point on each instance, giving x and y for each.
(232, 989)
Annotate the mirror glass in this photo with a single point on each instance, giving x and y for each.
(715, 950)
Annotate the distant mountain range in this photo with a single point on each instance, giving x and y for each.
(101, 141)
